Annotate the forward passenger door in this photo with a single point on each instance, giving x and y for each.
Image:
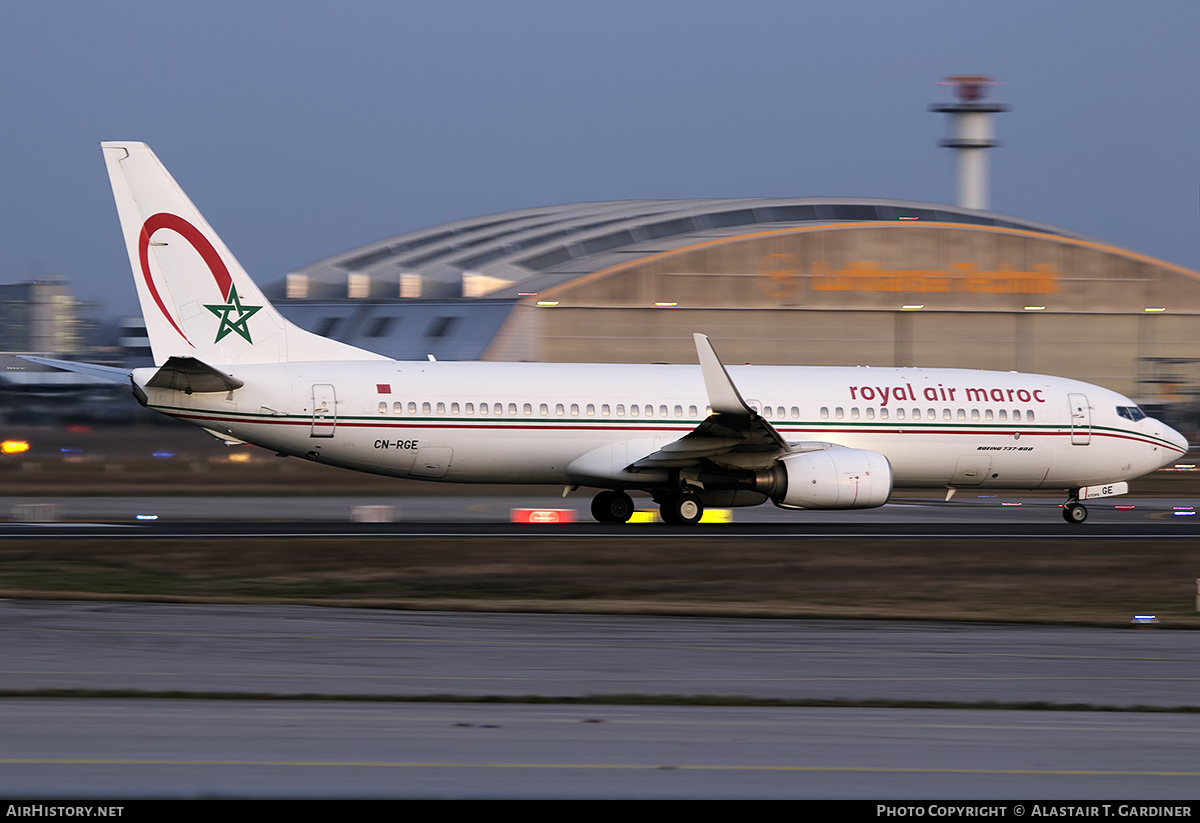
(1081, 420)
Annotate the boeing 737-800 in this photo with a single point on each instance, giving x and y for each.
(811, 437)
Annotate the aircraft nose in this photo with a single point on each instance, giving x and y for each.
(1177, 440)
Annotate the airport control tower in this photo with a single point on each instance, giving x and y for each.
(970, 135)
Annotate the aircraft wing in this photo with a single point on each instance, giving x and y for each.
(734, 433)
(110, 374)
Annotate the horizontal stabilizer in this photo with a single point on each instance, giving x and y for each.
(189, 375)
(109, 373)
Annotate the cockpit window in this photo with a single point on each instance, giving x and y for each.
(1131, 413)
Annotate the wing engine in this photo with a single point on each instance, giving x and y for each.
(828, 479)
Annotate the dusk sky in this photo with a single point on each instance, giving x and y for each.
(303, 129)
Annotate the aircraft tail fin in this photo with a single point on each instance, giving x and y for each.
(197, 299)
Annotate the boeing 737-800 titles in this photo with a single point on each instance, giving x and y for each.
(811, 437)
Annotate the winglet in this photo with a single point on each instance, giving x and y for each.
(723, 396)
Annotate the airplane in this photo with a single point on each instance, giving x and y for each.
(808, 437)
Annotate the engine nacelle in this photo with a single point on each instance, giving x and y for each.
(830, 479)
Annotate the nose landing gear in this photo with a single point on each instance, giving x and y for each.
(1073, 511)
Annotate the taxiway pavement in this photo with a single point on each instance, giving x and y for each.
(151, 747)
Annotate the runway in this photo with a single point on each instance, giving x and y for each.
(299, 517)
(150, 747)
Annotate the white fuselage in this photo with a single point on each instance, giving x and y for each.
(526, 422)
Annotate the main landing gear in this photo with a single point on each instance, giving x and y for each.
(679, 509)
(1073, 511)
(612, 507)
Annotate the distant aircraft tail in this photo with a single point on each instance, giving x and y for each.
(197, 299)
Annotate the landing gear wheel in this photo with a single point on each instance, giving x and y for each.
(612, 507)
(682, 510)
(1074, 513)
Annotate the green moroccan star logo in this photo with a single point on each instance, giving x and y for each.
(238, 323)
